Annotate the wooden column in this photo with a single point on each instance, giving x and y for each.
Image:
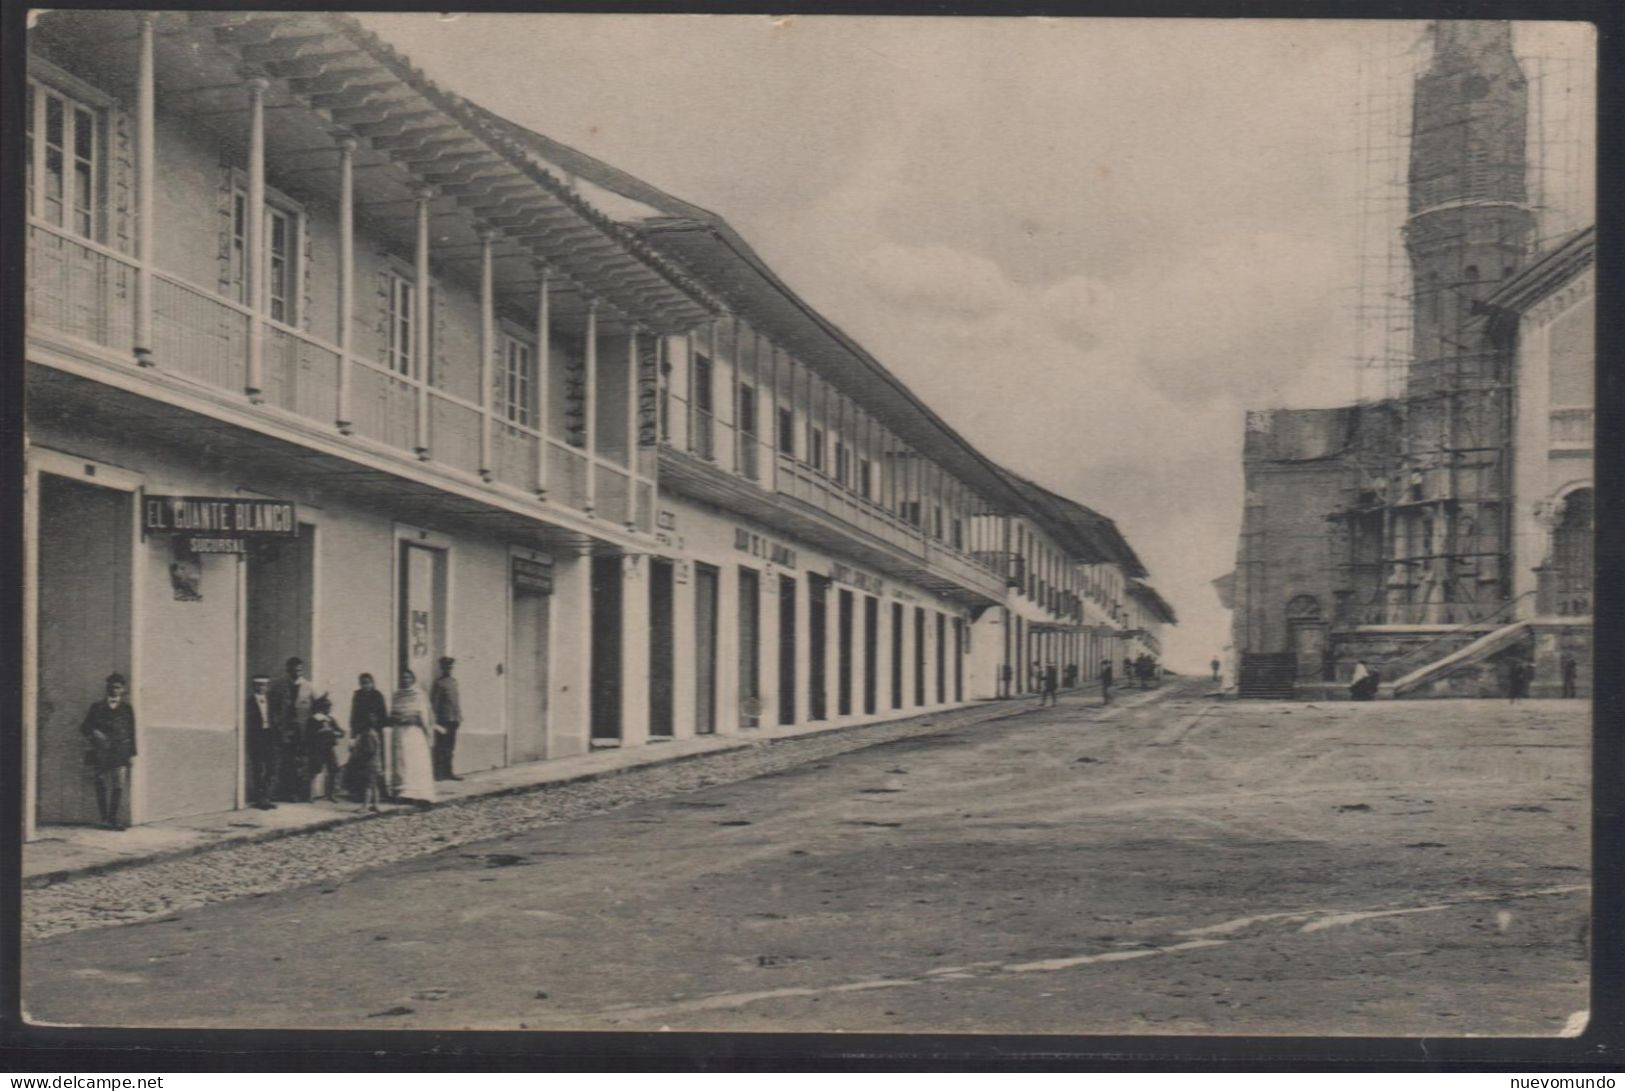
(146, 154)
(632, 397)
(488, 347)
(254, 259)
(346, 273)
(589, 405)
(544, 370)
(422, 321)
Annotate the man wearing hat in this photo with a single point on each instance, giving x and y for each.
(262, 743)
(109, 729)
(291, 695)
(447, 706)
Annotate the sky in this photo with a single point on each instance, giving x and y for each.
(1089, 244)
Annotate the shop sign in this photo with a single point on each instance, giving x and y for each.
(210, 519)
(863, 581)
(532, 576)
(768, 550)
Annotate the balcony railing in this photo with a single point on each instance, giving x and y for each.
(86, 291)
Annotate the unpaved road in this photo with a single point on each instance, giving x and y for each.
(1184, 866)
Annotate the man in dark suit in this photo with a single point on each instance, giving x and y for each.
(263, 744)
(290, 699)
(447, 704)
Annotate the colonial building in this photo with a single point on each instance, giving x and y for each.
(1412, 532)
(325, 361)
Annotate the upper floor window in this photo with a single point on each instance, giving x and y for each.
(516, 393)
(843, 460)
(281, 241)
(399, 302)
(787, 430)
(815, 448)
(865, 472)
(63, 149)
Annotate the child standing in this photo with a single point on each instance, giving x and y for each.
(368, 715)
(322, 737)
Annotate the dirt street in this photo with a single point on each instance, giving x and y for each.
(1182, 866)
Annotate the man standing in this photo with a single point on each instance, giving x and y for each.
(109, 728)
(1105, 682)
(290, 700)
(1215, 666)
(447, 706)
(1049, 694)
(1571, 674)
(260, 728)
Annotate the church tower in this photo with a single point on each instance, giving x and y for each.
(1470, 223)
(1469, 230)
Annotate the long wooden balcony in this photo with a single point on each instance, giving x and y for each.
(82, 294)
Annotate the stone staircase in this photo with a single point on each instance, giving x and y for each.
(1460, 659)
(1267, 676)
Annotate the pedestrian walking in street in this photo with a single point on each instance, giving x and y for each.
(1215, 666)
(1571, 675)
(448, 716)
(1105, 682)
(291, 698)
(1049, 694)
(411, 775)
(322, 737)
(109, 729)
(262, 743)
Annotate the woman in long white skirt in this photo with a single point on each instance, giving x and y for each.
(411, 774)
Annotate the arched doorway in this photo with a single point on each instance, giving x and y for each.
(1572, 554)
(1306, 626)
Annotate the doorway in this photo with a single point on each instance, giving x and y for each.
(896, 655)
(871, 652)
(843, 646)
(919, 656)
(527, 674)
(817, 648)
(661, 659)
(705, 649)
(82, 629)
(787, 651)
(281, 586)
(606, 651)
(750, 648)
(421, 639)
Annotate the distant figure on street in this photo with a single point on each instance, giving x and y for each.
(1035, 677)
(411, 773)
(109, 729)
(1518, 677)
(321, 745)
(263, 743)
(291, 698)
(1128, 670)
(448, 716)
(1049, 694)
(1571, 674)
(1006, 676)
(1215, 666)
(1363, 685)
(1105, 682)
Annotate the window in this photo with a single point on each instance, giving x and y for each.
(815, 448)
(63, 141)
(515, 393)
(864, 473)
(398, 303)
(843, 456)
(281, 240)
(702, 407)
(787, 431)
(936, 522)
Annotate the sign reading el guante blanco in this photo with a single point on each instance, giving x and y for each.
(219, 516)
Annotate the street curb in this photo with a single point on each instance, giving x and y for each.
(44, 879)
